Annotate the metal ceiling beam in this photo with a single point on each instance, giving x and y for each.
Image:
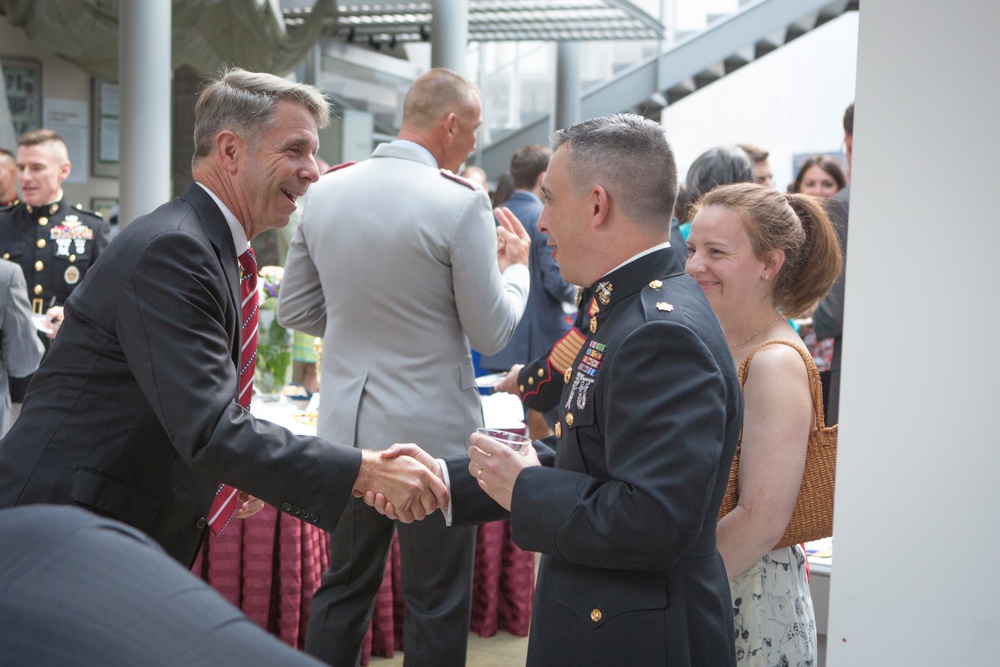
(753, 31)
(492, 20)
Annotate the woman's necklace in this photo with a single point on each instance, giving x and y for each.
(759, 332)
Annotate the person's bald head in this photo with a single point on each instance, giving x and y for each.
(434, 94)
(442, 112)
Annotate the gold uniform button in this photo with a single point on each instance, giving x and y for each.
(520, 388)
(72, 258)
(655, 284)
(39, 289)
(569, 419)
(41, 243)
(531, 381)
(558, 429)
(541, 372)
(593, 325)
(39, 266)
(42, 221)
(6, 255)
(568, 375)
(595, 615)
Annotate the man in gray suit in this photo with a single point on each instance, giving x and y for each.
(399, 265)
(20, 348)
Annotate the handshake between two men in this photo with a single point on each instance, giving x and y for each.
(406, 483)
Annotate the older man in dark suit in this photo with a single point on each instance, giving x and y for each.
(139, 410)
(624, 510)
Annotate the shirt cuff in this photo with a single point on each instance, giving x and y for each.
(517, 273)
(447, 482)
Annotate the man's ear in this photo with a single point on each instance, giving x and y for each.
(64, 170)
(228, 150)
(597, 200)
(451, 125)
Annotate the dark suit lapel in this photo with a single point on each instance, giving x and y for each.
(217, 231)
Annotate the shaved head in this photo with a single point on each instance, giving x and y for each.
(435, 93)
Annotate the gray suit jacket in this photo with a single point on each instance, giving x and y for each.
(20, 347)
(394, 264)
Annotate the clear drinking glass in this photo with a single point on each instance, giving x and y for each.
(515, 441)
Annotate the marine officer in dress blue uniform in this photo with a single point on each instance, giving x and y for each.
(622, 501)
(54, 243)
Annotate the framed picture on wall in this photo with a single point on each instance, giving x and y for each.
(23, 84)
(105, 130)
(103, 205)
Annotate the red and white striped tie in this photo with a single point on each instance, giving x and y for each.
(226, 499)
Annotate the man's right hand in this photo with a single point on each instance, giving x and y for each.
(412, 490)
(513, 242)
(508, 385)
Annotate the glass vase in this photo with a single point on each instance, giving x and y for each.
(274, 357)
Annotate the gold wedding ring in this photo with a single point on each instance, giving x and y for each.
(480, 475)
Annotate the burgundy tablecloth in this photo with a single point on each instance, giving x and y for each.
(270, 565)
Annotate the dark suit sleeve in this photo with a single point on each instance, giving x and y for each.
(471, 505)
(552, 280)
(171, 324)
(828, 320)
(56, 562)
(661, 444)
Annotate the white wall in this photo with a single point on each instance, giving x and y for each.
(60, 79)
(790, 101)
(916, 521)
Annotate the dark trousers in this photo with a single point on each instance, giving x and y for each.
(436, 580)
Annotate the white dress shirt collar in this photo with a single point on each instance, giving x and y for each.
(240, 242)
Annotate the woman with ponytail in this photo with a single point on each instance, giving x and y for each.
(763, 257)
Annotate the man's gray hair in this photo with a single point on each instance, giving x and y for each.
(244, 103)
(629, 156)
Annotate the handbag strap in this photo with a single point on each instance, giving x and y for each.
(815, 386)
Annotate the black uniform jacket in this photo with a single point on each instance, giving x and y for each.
(133, 414)
(624, 509)
(55, 245)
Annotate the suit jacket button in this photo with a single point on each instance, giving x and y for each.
(595, 615)
(200, 523)
(313, 518)
(286, 507)
(304, 514)
(296, 509)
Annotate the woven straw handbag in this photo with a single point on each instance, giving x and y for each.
(812, 518)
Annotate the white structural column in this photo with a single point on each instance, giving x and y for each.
(567, 85)
(449, 34)
(915, 526)
(144, 76)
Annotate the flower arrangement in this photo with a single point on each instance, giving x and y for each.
(274, 342)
